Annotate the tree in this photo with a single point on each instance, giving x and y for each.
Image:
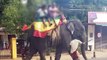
(79, 8)
(15, 14)
(72, 8)
(2, 6)
(11, 14)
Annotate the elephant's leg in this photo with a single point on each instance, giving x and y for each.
(30, 54)
(42, 54)
(23, 52)
(58, 53)
(83, 51)
(83, 38)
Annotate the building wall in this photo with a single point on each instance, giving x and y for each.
(102, 41)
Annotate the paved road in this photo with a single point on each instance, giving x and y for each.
(100, 55)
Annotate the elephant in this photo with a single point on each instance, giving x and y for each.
(59, 37)
(34, 45)
(67, 32)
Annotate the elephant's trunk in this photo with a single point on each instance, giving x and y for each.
(83, 51)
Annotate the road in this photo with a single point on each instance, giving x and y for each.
(100, 55)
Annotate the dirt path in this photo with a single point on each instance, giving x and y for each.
(100, 55)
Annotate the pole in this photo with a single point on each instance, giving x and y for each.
(101, 38)
(94, 54)
(14, 48)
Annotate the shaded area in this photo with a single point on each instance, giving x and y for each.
(5, 56)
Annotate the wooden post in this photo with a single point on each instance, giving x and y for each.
(94, 54)
(14, 48)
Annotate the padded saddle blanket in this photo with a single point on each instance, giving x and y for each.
(40, 30)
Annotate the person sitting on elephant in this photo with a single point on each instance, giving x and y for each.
(43, 14)
(74, 44)
(53, 11)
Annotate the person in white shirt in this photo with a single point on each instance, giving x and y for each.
(74, 44)
(43, 13)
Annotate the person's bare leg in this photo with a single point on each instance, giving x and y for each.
(49, 22)
(54, 22)
(44, 22)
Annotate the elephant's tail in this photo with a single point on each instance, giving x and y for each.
(83, 51)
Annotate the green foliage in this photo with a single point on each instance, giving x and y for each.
(102, 2)
(79, 8)
(73, 8)
(11, 15)
(2, 6)
(15, 14)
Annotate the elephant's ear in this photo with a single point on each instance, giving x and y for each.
(70, 27)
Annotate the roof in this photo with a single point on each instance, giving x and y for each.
(99, 18)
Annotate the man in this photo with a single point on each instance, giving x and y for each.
(42, 13)
(54, 12)
(74, 46)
